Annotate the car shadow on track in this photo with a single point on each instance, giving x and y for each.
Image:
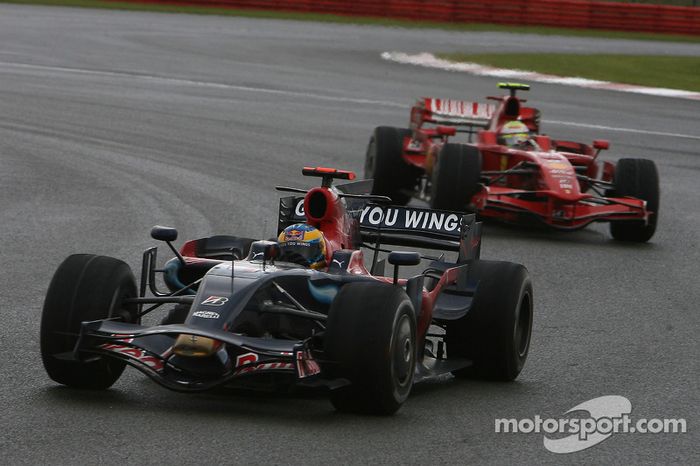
(534, 233)
(142, 398)
(449, 385)
(146, 399)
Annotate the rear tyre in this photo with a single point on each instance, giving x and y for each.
(384, 164)
(637, 178)
(85, 287)
(371, 341)
(495, 333)
(455, 177)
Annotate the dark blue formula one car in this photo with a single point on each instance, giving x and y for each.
(303, 311)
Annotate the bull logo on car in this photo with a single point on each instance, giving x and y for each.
(293, 235)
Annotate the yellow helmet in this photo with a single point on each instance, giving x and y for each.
(514, 133)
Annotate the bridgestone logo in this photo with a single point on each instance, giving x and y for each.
(215, 301)
(206, 314)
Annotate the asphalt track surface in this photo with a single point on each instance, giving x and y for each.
(111, 122)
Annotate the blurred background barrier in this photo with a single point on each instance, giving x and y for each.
(620, 16)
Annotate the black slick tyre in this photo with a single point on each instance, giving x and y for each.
(455, 177)
(495, 333)
(85, 287)
(384, 164)
(371, 341)
(637, 178)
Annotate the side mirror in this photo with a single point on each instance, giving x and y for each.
(272, 251)
(601, 144)
(163, 233)
(264, 251)
(404, 258)
(398, 258)
(168, 235)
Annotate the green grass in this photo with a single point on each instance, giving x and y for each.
(658, 71)
(358, 20)
(658, 2)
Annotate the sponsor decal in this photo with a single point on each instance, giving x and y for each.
(403, 218)
(206, 314)
(245, 359)
(293, 235)
(140, 355)
(565, 184)
(299, 210)
(340, 263)
(409, 219)
(246, 363)
(266, 366)
(306, 364)
(557, 165)
(457, 108)
(303, 244)
(560, 171)
(215, 301)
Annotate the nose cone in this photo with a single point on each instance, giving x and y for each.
(195, 346)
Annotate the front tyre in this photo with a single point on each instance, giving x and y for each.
(371, 341)
(637, 178)
(85, 287)
(385, 165)
(495, 333)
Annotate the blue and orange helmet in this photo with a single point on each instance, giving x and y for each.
(303, 244)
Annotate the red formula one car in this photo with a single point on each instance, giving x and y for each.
(510, 171)
(258, 314)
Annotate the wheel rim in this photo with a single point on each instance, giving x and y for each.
(523, 326)
(403, 353)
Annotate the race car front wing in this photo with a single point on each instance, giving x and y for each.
(153, 351)
(500, 202)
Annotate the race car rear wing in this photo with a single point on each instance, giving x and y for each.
(401, 226)
(452, 112)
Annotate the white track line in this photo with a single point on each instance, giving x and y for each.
(622, 130)
(190, 82)
(385, 103)
(429, 60)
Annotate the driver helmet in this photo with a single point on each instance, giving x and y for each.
(514, 133)
(302, 244)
